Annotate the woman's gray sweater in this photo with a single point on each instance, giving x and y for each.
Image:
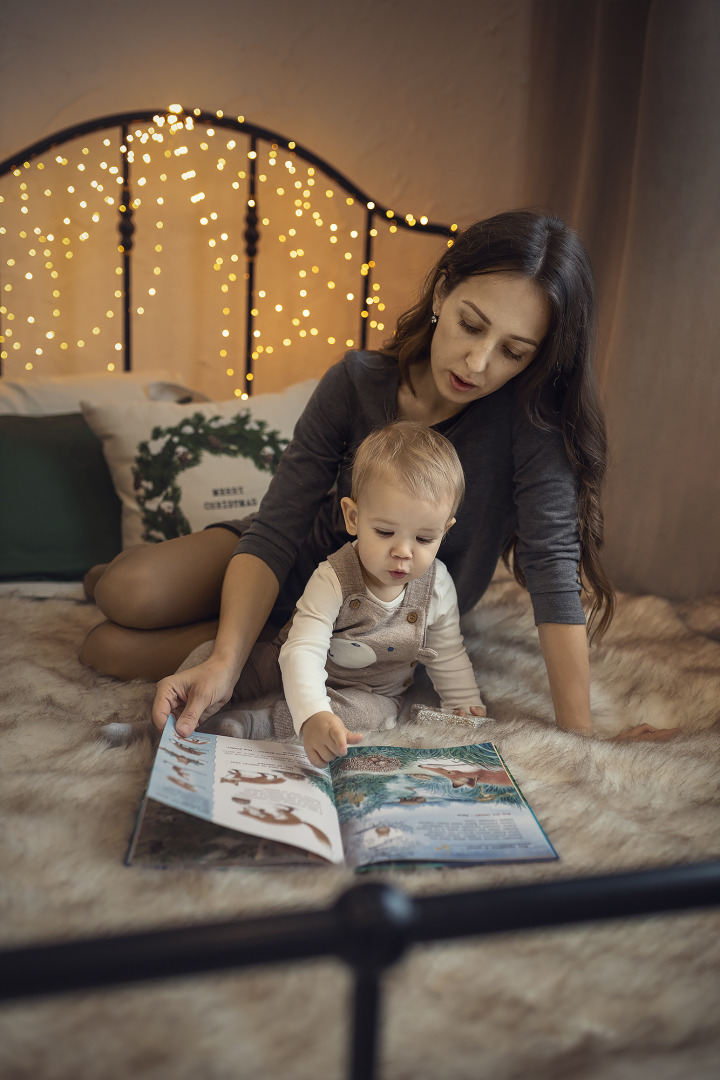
(518, 479)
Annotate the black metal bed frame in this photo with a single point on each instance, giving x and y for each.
(374, 211)
(370, 927)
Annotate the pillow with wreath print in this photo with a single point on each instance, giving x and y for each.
(177, 468)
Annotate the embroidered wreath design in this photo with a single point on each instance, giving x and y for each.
(169, 451)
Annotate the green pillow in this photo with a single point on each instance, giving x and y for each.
(59, 511)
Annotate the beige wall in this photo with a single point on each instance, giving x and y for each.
(423, 108)
(424, 101)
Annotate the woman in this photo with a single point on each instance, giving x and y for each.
(497, 355)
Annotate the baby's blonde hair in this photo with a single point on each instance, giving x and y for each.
(416, 458)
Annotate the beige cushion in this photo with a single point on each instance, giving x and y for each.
(57, 395)
(177, 468)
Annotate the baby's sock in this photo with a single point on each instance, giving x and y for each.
(245, 723)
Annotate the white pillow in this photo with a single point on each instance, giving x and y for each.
(177, 468)
(56, 395)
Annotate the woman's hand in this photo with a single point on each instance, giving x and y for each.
(192, 696)
(325, 737)
(646, 733)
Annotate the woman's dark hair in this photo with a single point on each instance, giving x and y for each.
(558, 389)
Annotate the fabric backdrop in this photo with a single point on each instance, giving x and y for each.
(623, 141)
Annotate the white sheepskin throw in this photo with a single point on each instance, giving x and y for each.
(627, 1000)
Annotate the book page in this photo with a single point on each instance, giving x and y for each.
(443, 805)
(266, 789)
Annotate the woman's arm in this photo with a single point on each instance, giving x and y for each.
(249, 592)
(565, 651)
(265, 553)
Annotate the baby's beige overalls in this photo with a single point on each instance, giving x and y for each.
(372, 651)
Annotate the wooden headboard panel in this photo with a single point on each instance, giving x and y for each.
(160, 231)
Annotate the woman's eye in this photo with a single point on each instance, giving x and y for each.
(513, 356)
(470, 328)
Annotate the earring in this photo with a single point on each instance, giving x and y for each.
(433, 319)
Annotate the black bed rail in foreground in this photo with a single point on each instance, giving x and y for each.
(369, 927)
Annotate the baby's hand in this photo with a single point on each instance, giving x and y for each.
(326, 737)
(475, 710)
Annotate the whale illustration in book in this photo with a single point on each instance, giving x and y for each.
(187, 749)
(463, 774)
(237, 776)
(180, 757)
(279, 815)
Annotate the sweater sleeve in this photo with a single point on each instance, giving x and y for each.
(307, 471)
(303, 656)
(548, 549)
(452, 672)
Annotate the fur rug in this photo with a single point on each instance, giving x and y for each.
(628, 1000)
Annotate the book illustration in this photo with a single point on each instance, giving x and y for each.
(281, 815)
(412, 804)
(182, 779)
(266, 789)
(463, 775)
(235, 776)
(223, 801)
(170, 838)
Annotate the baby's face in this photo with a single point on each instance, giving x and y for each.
(398, 535)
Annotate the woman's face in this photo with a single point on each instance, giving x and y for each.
(489, 329)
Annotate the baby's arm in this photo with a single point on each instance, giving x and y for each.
(452, 672)
(302, 663)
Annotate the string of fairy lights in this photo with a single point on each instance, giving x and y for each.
(64, 199)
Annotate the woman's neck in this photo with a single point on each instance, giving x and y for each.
(426, 406)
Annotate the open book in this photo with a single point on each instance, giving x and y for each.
(226, 802)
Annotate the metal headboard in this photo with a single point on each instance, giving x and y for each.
(177, 119)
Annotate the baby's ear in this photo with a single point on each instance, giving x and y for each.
(449, 526)
(350, 513)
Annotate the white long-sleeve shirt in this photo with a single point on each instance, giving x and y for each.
(303, 656)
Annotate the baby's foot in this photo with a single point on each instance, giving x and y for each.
(245, 723)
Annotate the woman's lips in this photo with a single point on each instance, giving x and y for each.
(459, 384)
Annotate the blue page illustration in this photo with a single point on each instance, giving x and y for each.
(445, 805)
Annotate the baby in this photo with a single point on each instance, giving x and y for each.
(378, 606)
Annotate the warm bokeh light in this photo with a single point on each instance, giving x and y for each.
(69, 196)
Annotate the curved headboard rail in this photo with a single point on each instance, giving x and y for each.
(178, 118)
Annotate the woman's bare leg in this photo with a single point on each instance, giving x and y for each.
(92, 577)
(161, 600)
(179, 581)
(125, 653)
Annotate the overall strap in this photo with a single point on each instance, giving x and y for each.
(418, 593)
(346, 565)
